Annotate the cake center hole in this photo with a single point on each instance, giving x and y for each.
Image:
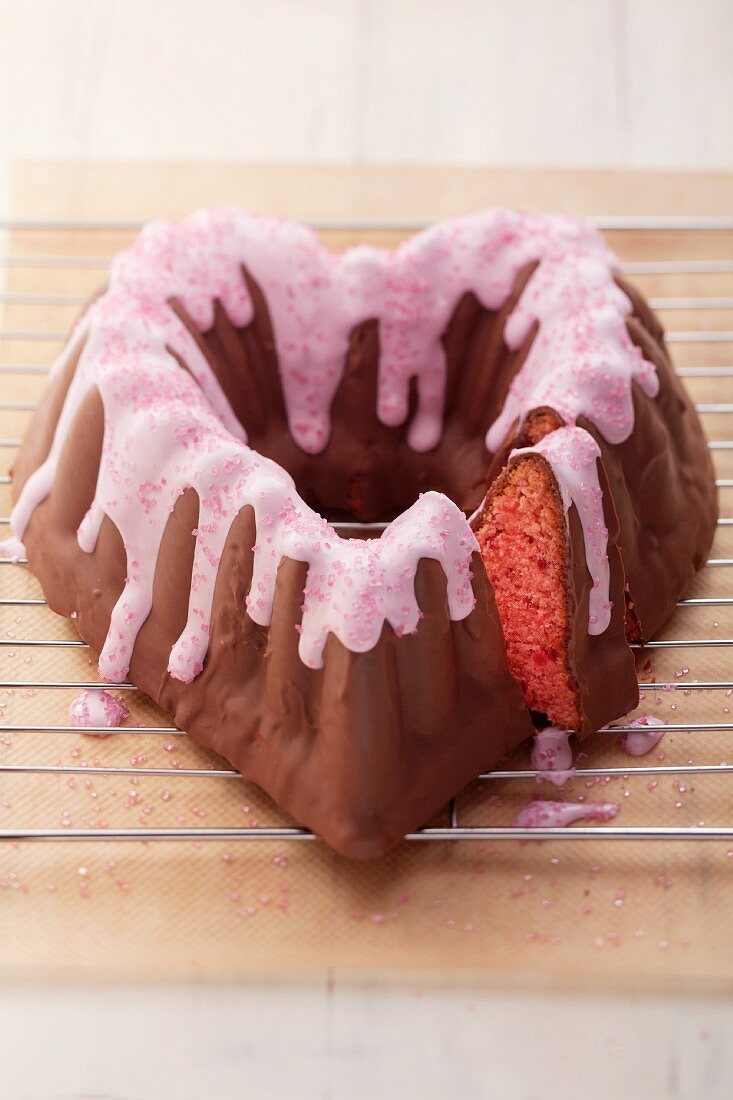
(367, 472)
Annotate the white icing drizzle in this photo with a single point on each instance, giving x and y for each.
(12, 548)
(573, 456)
(166, 430)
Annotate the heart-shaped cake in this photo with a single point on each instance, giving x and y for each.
(491, 392)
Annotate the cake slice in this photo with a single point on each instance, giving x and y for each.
(548, 536)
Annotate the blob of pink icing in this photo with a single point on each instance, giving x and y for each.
(647, 733)
(12, 548)
(552, 755)
(541, 814)
(98, 708)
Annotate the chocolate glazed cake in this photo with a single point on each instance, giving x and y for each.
(237, 389)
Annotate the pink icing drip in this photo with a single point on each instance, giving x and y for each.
(552, 755)
(647, 733)
(98, 708)
(573, 453)
(166, 431)
(539, 814)
(583, 361)
(12, 548)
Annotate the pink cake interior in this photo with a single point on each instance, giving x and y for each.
(523, 550)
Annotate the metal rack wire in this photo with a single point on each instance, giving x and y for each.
(454, 831)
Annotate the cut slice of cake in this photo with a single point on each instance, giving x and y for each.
(548, 536)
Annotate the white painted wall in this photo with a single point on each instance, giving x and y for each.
(637, 83)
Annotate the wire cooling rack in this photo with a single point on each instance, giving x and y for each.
(40, 289)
